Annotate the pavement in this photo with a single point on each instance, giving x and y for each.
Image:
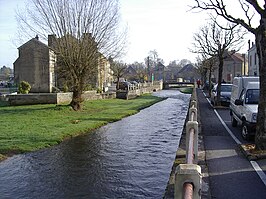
(227, 171)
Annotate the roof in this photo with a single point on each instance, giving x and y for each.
(237, 57)
(33, 40)
(187, 68)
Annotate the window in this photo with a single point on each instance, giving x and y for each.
(252, 96)
(226, 88)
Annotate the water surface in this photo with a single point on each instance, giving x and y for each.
(131, 158)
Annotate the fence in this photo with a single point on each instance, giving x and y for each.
(8, 90)
(188, 176)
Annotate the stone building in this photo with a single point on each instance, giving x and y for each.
(104, 74)
(235, 64)
(36, 65)
(253, 61)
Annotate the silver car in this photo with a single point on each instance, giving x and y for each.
(225, 94)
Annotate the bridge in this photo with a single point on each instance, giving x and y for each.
(176, 84)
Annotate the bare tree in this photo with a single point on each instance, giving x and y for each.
(140, 69)
(118, 69)
(201, 69)
(84, 30)
(210, 64)
(250, 8)
(214, 41)
(183, 62)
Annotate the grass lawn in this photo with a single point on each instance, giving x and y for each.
(28, 128)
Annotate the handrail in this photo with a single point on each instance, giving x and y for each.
(188, 177)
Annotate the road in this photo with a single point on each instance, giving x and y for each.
(231, 174)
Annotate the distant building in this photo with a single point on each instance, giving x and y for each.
(130, 73)
(188, 73)
(36, 65)
(104, 73)
(253, 61)
(159, 72)
(235, 64)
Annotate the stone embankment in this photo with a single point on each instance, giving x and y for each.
(60, 98)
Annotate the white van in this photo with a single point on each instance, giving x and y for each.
(244, 104)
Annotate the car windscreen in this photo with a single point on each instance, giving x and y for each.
(252, 96)
(226, 88)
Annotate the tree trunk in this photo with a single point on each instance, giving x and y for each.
(76, 99)
(260, 137)
(117, 84)
(210, 82)
(220, 76)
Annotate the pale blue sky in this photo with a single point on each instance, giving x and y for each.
(164, 25)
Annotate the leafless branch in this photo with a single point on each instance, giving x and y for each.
(219, 8)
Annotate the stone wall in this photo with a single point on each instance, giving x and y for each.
(53, 98)
(30, 99)
(143, 89)
(60, 98)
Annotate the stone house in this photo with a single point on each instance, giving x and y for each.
(159, 72)
(36, 65)
(235, 64)
(104, 74)
(253, 61)
(188, 73)
(130, 73)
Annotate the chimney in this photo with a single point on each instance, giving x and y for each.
(51, 40)
(37, 37)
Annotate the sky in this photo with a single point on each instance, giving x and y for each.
(166, 26)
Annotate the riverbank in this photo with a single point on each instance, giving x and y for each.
(29, 128)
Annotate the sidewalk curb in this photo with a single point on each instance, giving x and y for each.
(250, 153)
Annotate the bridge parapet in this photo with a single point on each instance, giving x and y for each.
(173, 83)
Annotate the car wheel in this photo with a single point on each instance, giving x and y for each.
(233, 121)
(244, 132)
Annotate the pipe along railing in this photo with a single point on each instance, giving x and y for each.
(188, 176)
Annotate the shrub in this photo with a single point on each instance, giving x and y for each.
(65, 88)
(24, 87)
(99, 90)
(88, 87)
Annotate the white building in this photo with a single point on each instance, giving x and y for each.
(253, 61)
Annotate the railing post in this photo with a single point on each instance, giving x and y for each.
(193, 103)
(188, 173)
(195, 116)
(194, 125)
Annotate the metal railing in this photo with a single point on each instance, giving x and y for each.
(188, 175)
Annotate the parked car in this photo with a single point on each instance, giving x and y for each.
(225, 94)
(207, 85)
(124, 85)
(244, 104)
(135, 84)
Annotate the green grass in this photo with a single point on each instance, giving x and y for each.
(186, 90)
(29, 128)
